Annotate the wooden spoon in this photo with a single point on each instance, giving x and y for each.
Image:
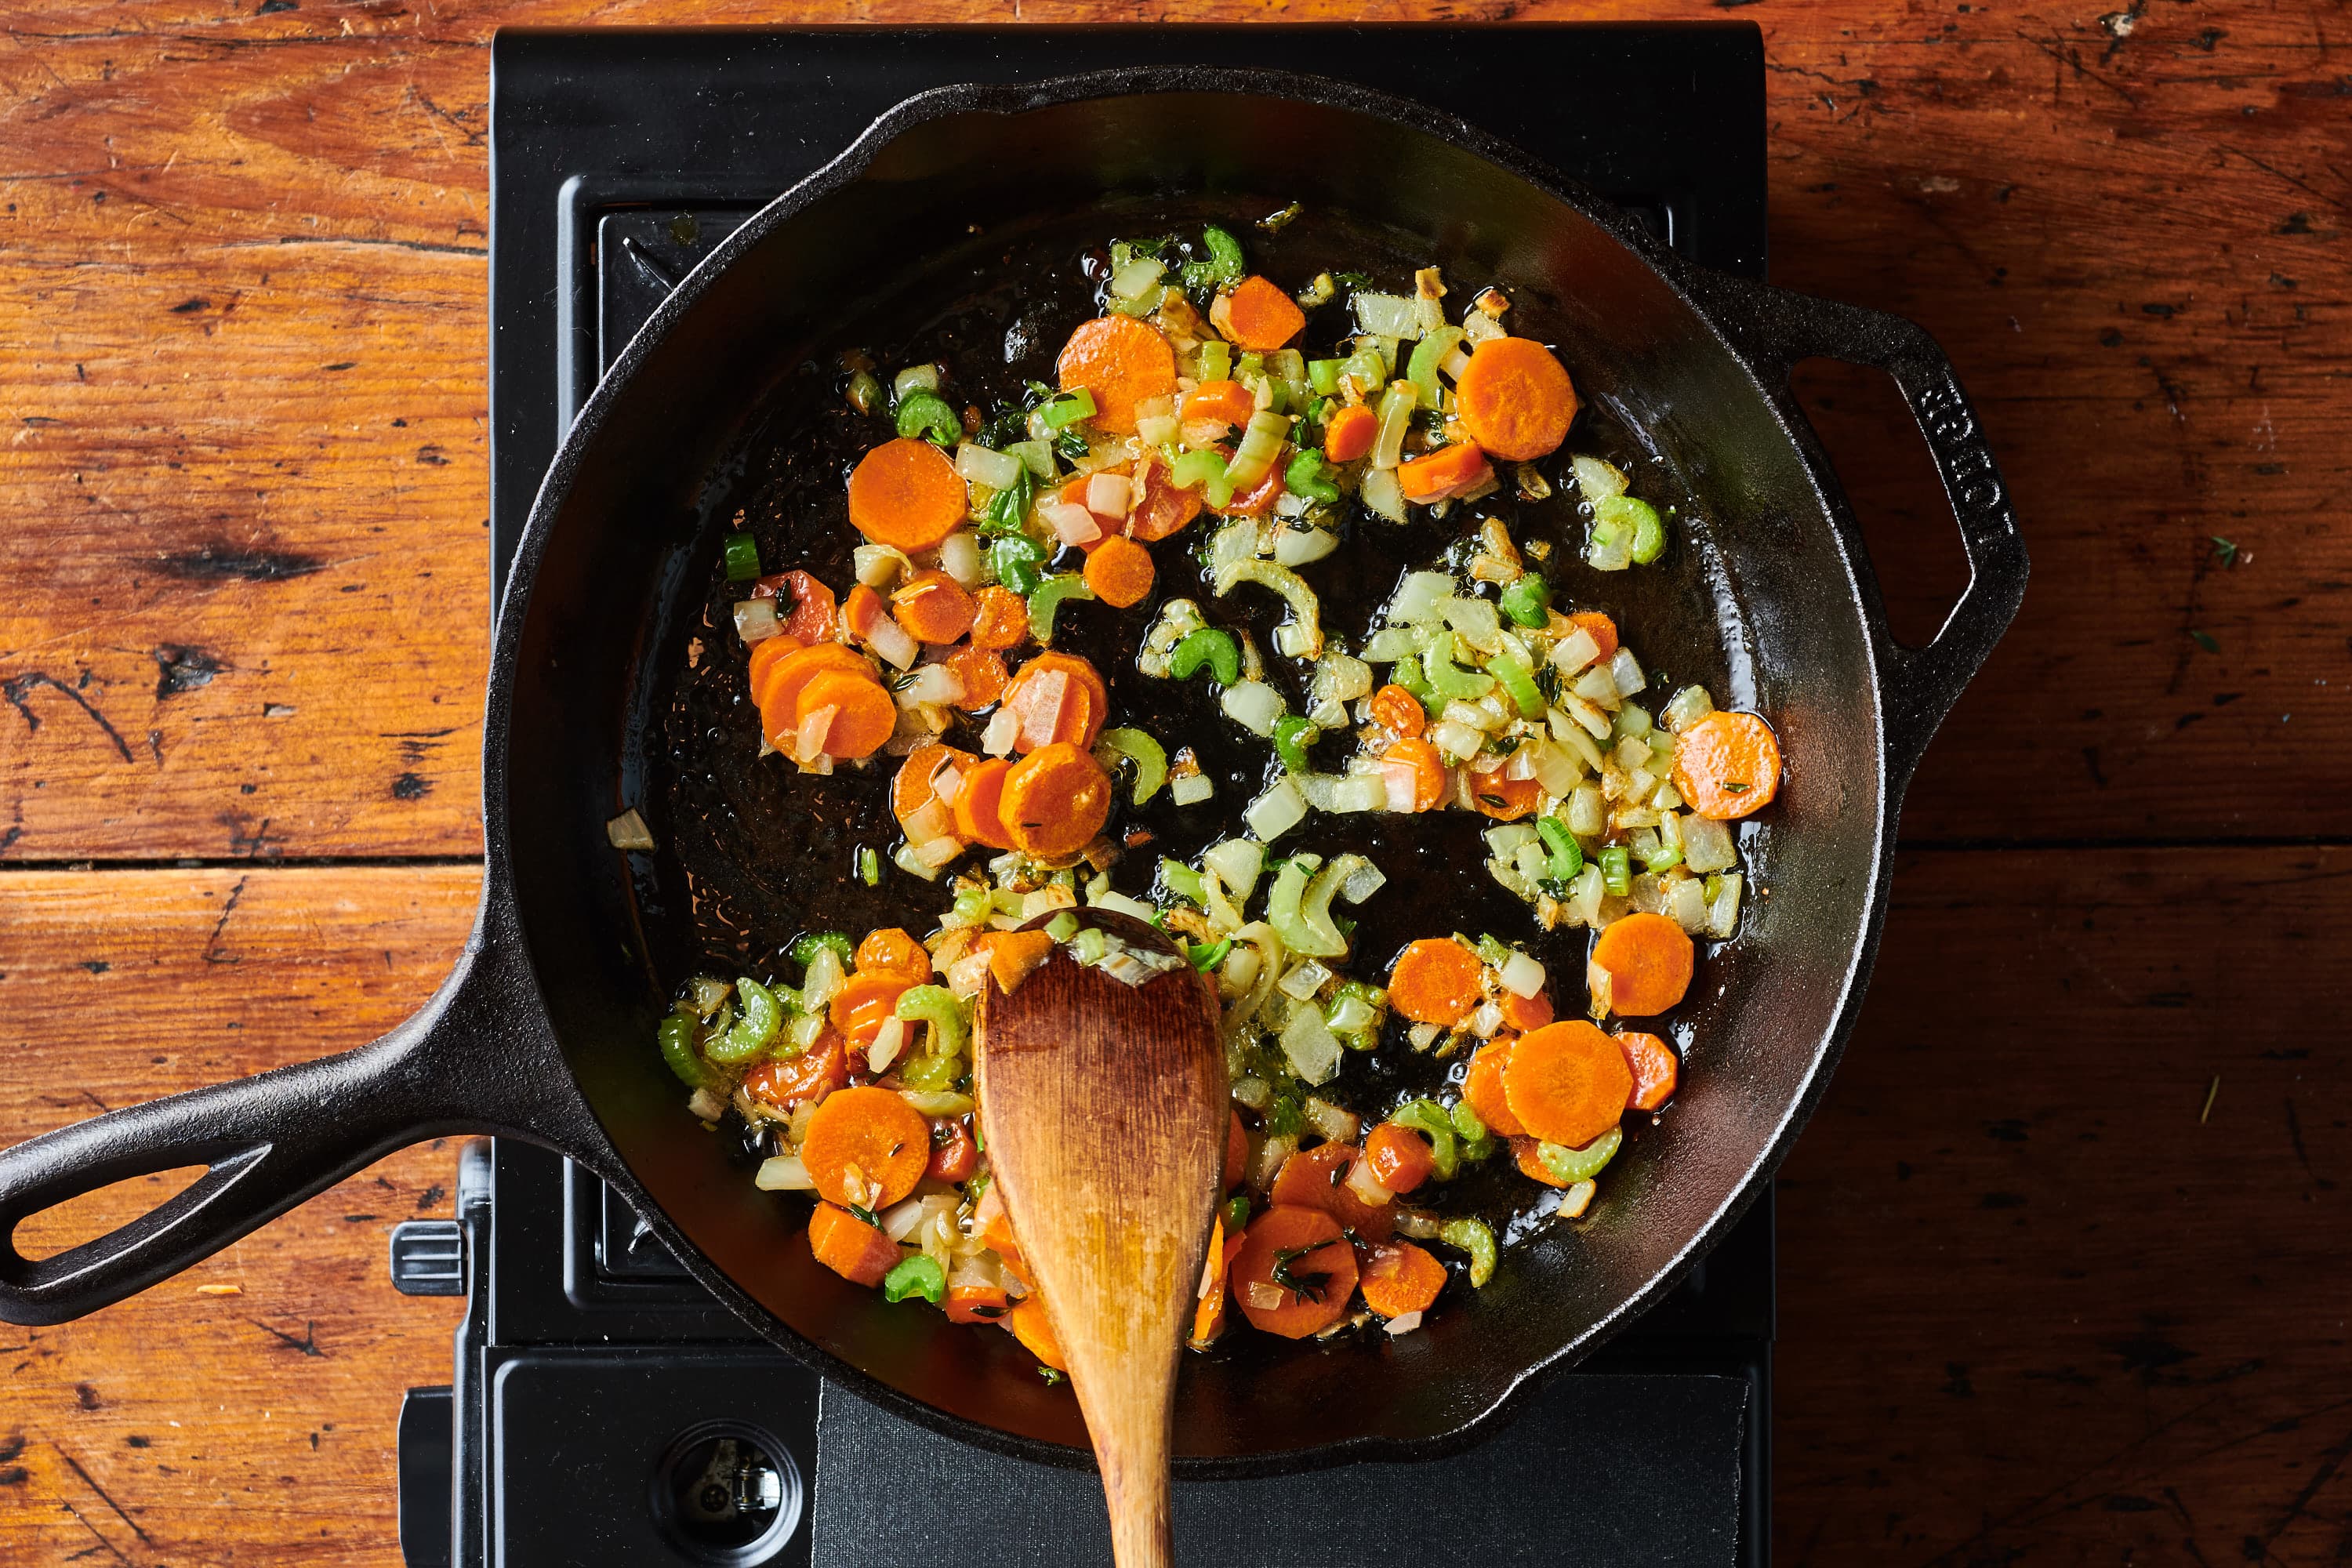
(1104, 1109)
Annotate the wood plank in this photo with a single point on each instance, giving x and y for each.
(246, 1410)
(2035, 1304)
(2124, 240)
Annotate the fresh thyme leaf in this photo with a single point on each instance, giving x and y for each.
(2205, 640)
(868, 1215)
(1307, 1287)
(1069, 444)
(1735, 787)
(2225, 550)
(1053, 1378)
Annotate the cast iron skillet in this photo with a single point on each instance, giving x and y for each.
(543, 1031)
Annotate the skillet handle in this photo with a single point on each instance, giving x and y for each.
(476, 1058)
(1777, 328)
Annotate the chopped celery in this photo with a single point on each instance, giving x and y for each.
(973, 905)
(1206, 956)
(1048, 596)
(677, 1036)
(1237, 1214)
(869, 868)
(1323, 374)
(919, 1275)
(1407, 673)
(743, 556)
(1616, 870)
(1580, 1164)
(1210, 646)
(1183, 881)
(1149, 757)
(1066, 409)
(1310, 475)
(805, 949)
(1089, 945)
(929, 1074)
(1520, 682)
(1448, 680)
(1468, 1121)
(1292, 736)
(1063, 926)
(1216, 360)
(1474, 1237)
(1016, 560)
(753, 1033)
(1645, 534)
(1260, 443)
(1432, 1122)
(926, 414)
(1205, 471)
(1397, 405)
(1427, 355)
(1526, 600)
(1564, 856)
(936, 1005)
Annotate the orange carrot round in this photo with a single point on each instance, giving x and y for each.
(1258, 315)
(849, 1246)
(915, 787)
(765, 656)
(1399, 713)
(979, 804)
(905, 493)
(1525, 1013)
(933, 607)
(1228, 401)
(789, 676)
(1209, 1315)
(1316, 1178)
(1349, 434)
(1119, 572)
(954, 1156)
(1400, 1157)
(1728, 766)
(1640, 966)
(1505, 800)
(866, 1146)
(1428, 771)
(1035, 1330)
(811, 1075)
(864, 1004)
(1600, 628)
(891, 951)
(982, 670)
(1482, 1087)
(1567, 1083)
(1443, 474)
(1055, 800)
(1654, 1067)
(863, 716)
(1121, 362)
(976, 1304)
(1515, 399)
(1435, 981)
(1527, 1154)
(1401, 1277)
(999, 619)
(1258, 498)
(1083, 708)
(1318, 1271)
(810, 617)
(1164, 510)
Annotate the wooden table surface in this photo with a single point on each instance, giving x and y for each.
(2064, 1264)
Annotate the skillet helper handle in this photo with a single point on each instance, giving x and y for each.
(1777, 328)
(269, 1142)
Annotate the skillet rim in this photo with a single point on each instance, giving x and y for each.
(1695, 288)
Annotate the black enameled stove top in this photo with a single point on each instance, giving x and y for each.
(602, 1408)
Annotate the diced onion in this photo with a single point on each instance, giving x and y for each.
(1252, 704)
(934, 685)
(997, 470)
(1477, 620)
(808, 745)
(628, 831)
(823, 977)
(1723, 915)
(1108, 495)
(1335, 1125)
(1004, 730)
(1158, 430)
(1405, 1324)
(1236, 862)
(1707, 844)
(1310, 1046)
(1383, 493)
(1522, 975)
(1417, 600)
(1262, 1294)
(1296, 547)
(1276, 812)
(893, 642)
(755, 620)
(1387, 315)
(1587, 811)
(1457, 740)
(1626, 671)
(1359, 791)
(1189, 789)
(879, 565)
(1137, 278)
(1403, 782)
(960, 558)
(1119, 903)
(1072, 524)
(1686, 903)
(1397, 405)
(1598, 480)
(1574, 651)
(1304, 979)
(889, 1041)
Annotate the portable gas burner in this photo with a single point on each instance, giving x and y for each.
(602, 1408)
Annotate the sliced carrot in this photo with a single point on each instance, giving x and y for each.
(863, 714)
(954, 1155)
(810, 617)
(1428, 771)
(1164, 510)
(1482, 1087)
(1567, 1083)
(1349, 434)
(1012, 955)
(1443, 474)
(982, 670)
(893, 954)
(1316, 1178)
(1209, 1316)
(849, 1246)
(1258, 315)
(1119, 572)
(1122, 362)
(976, 1304)
(994, 1225)
(1229, 401)
(933, 607)
(790, 676)
(1525, 1013)
(1528, 1153)
(1505, 800)
(1258, 498)
(917, 784)
(1236, 1151)
(1400, 1279)
(1728, 766)
(811, 1075)
(905, 493)
(1656, 1068)
(1600, 628)
(1435, 981)
(1082, 721)
(1306, 1244)
(766, 654)
(1031, 1327)
(1639, 967)
(979, 804)
(1400, 1157)
(866, 1146)
(1399, 713)
(1515, 399)
(1057, 800)
(864, 1004)
(999, 619)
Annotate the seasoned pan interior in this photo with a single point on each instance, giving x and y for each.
(720, 408)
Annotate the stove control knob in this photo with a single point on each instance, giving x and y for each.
(428, 1257)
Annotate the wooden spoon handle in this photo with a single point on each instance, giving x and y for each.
(1131, 1450)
